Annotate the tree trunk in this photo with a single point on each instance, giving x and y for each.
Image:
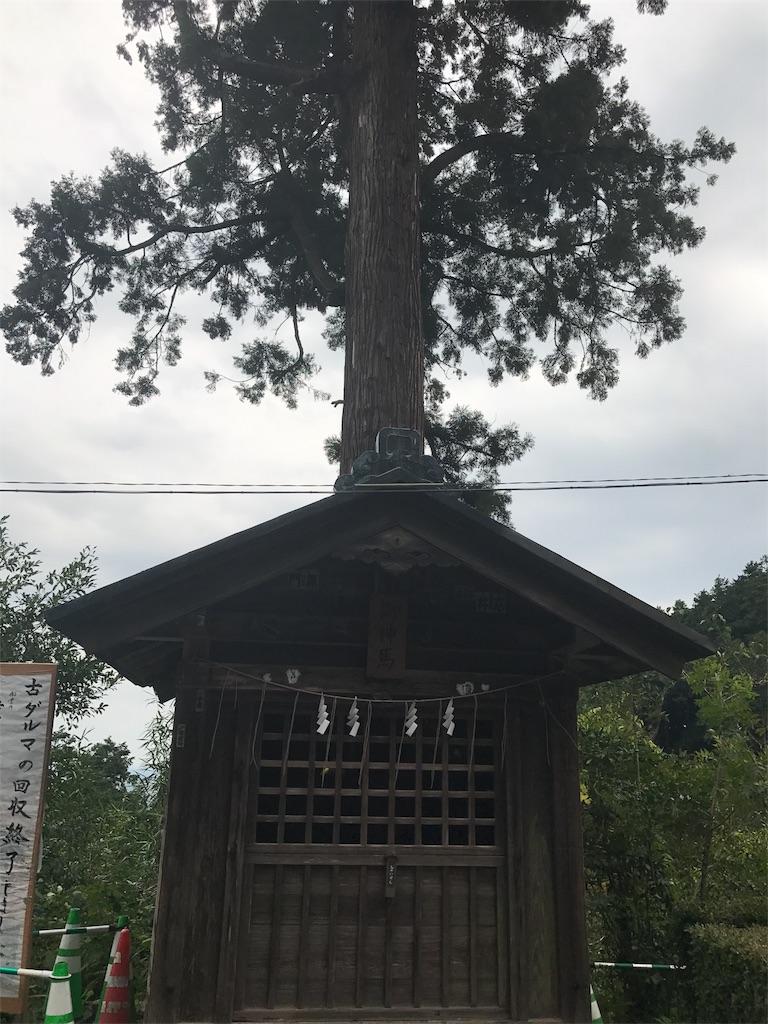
(384, 370)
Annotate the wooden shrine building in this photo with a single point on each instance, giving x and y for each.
(373, 809)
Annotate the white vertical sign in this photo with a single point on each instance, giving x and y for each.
(26, 717)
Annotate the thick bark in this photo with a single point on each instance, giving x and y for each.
(383, 378)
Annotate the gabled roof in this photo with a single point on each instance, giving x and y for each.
(106, 621)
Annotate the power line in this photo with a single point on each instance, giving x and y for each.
(510, 483)
(285, 489)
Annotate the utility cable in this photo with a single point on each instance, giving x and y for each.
(260, 489)
(510, 483)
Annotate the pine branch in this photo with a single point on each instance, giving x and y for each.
(333, 80)
(511, 143)
(520, 253)
(97, 248)
(331, 289)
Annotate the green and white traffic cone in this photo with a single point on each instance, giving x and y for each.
(595, 1009)
(69, 955)
(58, 1009)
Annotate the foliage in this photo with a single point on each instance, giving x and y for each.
(546, 200)
(627, 853)
(729, 612)
(101, 843)
(730, 608)
(673, 838)
(26, 592)
(729, 967)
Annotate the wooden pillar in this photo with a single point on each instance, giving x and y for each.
(538, 968)
(573, 952)
(552, 961)
(193, 936)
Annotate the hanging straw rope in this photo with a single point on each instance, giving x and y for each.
(474, 734)
(366, 742)
(288, 744)
(437, 743)
(382, 700)
(328, 741)
(218, 714)
(400, 748)
(258, 722)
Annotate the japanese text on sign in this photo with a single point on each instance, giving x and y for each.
(26, 706)
(387, 626)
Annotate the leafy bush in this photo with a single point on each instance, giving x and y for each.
(101, 840)
(729, 967)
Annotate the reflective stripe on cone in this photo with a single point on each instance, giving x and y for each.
(69, 956)
(58, 1009)
(116, 1004)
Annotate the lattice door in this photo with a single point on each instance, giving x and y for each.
(374, 869)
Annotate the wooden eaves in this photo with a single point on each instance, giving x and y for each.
(137, 624)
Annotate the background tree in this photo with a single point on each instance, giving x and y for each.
(101, 846)
(26, 591)
(103, 815)
(676, 835)
(531, 204)
(733, 613)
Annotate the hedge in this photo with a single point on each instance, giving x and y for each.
(728, 970)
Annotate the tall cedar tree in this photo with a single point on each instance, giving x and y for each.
(439, 178)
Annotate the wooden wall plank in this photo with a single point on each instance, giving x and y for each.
(330, 997)
(388, 950)
(233, 890)
(502, 954)
(472, 913)
(274, 951)
(418, 960)
(445, 938)
(362, 908)
(304, 950)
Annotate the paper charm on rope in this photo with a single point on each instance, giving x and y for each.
(448, 723)
(323, 718)
(353, 719)
(411, 725)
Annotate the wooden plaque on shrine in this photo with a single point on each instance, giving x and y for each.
(386, 637)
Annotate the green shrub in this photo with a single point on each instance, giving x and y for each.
(729, 967)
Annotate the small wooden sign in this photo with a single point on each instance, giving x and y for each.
(390, 877)
(388, 623)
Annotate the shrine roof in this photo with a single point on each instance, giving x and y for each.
(114, 622)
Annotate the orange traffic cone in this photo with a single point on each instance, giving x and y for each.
(116, 1004)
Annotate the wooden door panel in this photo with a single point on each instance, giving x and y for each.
(322, 931)
(371, 952)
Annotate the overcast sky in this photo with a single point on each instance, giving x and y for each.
(697, 407)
